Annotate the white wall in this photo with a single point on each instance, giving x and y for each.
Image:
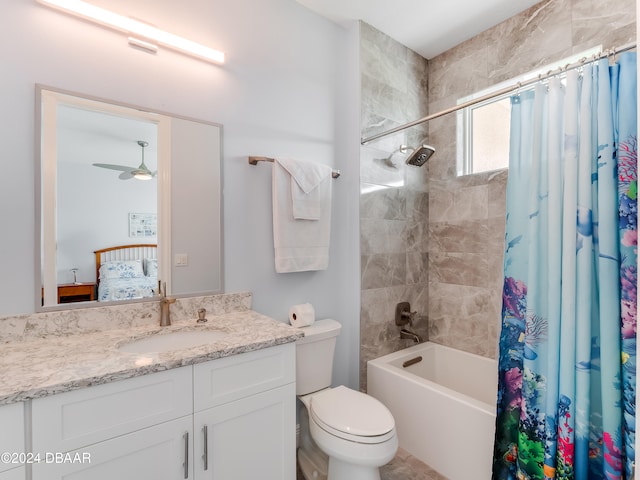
(196, 222)
(283, 91)
(96, 204)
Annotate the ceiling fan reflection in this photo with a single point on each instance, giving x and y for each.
(141, 172)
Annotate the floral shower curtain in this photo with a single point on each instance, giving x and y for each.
(566, 395)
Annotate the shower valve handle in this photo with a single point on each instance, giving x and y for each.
(404, 315)
(410, 315)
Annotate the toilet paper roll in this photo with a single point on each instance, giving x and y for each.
(302, 315)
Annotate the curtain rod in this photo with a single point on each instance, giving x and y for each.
(502, 91)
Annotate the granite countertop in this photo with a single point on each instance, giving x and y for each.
(59, 364)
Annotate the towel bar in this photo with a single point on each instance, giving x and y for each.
(254, 161)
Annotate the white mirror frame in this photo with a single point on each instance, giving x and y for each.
(47, 100)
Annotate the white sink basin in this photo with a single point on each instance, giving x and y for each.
(172, 341)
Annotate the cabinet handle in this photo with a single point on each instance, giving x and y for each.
(186, 455)
(205, 455)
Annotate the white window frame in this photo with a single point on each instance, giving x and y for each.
(464, 117)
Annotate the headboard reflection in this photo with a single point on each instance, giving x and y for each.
(131, 271)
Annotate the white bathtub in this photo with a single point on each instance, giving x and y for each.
(444, 406)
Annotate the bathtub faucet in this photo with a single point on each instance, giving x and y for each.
(406, 334)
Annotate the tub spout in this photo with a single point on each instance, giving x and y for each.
(404, 333)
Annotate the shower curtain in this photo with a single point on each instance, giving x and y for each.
(566, 394)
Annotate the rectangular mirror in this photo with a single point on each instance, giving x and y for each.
(128, 197)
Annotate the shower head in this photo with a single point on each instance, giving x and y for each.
(420, 155)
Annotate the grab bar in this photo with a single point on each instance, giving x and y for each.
(254, 161)
(412, 361)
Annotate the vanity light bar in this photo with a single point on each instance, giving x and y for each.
(135, 28)
(136, 42)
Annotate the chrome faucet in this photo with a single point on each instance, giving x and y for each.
(165, 302)
(406, 334)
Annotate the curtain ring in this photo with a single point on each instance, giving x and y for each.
(541, 82)
(583, 60)
(607, 53)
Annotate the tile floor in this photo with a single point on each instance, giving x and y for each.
(407, 467)
(403, 467)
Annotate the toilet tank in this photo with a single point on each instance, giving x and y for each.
(314, 356)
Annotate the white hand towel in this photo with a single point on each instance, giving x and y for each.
(300, 244)
(306, 194)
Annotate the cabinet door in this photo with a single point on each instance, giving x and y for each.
(250, 438)
(14, 474)
(11, 434)
(157, 453)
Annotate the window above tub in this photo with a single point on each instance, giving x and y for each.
(482, 130)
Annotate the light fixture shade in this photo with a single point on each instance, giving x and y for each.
(142, 175)
(136, 28)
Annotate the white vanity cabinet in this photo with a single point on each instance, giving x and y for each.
(154, 426)
(12, 442)
(244, 420)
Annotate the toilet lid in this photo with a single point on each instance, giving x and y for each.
(348, 413)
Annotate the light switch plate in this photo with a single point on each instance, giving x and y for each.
(181, 260)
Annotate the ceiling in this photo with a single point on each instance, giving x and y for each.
(89, 136)
(429, 27)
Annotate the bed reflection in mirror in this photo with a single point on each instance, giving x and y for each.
(126, 272)
(112, 176)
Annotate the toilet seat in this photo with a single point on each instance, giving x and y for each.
(352, 415)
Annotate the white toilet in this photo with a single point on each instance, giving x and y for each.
(344, 434)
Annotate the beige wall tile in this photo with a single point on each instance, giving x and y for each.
(428, 236)
(394, 203)
(459, 268)
(547, 32)
(459, 237)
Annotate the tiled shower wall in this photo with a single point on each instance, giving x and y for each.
(466, 214)
(393, 197)
(426, 235)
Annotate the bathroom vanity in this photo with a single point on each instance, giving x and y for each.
(97, 412)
